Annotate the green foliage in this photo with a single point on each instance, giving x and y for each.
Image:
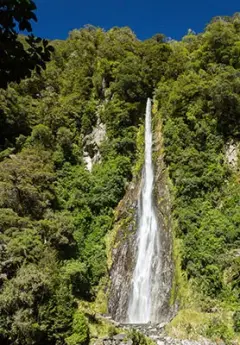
(26, 183)
(19, 56)
(138, 338)
(193, 324)
(109, 181)
(219, 329)
(198, 103)
(236, 321)
(42, 135)
(75, 274)
(30, 310)
(80, 329)
(55, 214)
(112, 331)
(56, 314)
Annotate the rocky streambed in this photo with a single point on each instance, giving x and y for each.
(156, 332)
(122, 339)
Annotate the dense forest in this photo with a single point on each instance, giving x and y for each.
(55, 213)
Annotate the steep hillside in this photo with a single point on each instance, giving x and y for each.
(199, 105)
(71, 141)
(55, 213)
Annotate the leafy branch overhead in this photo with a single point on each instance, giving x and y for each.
(19, 56)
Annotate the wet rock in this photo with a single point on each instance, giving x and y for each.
(123, 254)
(160, 342)
(163, 208)
(120, 336)
(128, 342)
(108, 342)
(124, 245)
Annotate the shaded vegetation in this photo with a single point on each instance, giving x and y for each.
(19, 56)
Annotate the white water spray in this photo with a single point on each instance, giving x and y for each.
(141, 303)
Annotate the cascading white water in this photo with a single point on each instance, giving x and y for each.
(141, 308)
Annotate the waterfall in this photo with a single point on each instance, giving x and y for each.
(145, 282)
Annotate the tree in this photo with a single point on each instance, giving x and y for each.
(20, 56)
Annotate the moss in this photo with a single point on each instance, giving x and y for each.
(188, 324)
(101, 329)
(139, 338)
(101, 301)
(6, 153)
(113, 237)
(80, 335)
(180, 292)
(221, 328)
(192, 324)
(140, 153)
(98, 326)
(109, 240)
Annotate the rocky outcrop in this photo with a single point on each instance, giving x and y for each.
(163, 211)
(123, 253)
(91, 145)
(232, 152)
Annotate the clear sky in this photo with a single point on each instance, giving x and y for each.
(146, 18)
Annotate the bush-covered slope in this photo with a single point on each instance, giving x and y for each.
(55, 213)
(200, 108)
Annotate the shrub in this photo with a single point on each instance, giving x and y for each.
(80, 330)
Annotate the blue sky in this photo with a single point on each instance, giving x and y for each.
(146, 18)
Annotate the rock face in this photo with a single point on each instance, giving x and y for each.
(124, 243)
(163, 211)
(92, 141)
(123, 253)
(232, 150)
